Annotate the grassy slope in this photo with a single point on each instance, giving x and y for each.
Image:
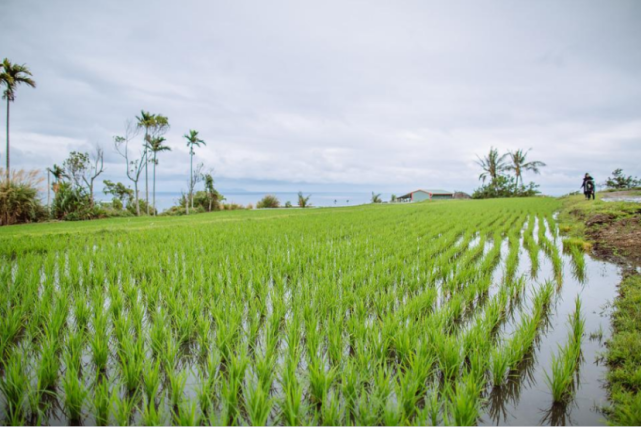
(624, 349)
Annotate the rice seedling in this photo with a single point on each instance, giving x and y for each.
(13, 385)
(566, 361)
(124, 407)
(152, 415)
(75, 393)
(102, 402)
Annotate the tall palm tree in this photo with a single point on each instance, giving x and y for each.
(519, 164)
(192, 141)
(146, 121)
(156, 146)
(12, 75)
(492, 165)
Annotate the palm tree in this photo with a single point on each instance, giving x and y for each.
(192, 141)
(146, 121)
(520, 165)
(156, 146)
(492, 165)
(11, 76)
(303, 201)
(376, 198)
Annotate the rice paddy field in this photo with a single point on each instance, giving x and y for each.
(453, 312)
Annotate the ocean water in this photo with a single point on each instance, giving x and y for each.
(165, 200)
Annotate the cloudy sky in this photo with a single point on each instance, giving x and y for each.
(333, 95)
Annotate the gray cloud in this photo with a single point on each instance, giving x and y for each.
(342, 94)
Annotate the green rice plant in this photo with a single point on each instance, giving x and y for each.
(561, 382)
(10, 325)
(578, 261)
(101, 402)
(462, 404)
(331, 414)
(186, 415)
(73, 352)
(124, 407)
(132, 359)
(81, 312)
(500, 365)
(566, 361)
(14, 385)
(151, 378)
(152, 415)
(49, 365)
(449, 357)
(75, 392)
(99, 345)
(320, 380)
(291, 402)
(258, 405)
(177, 381)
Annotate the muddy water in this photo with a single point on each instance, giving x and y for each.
(526, 399)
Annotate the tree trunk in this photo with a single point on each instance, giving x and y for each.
(48, 190)
(154, 184)
(136, 197)
(191, 179)
(8, 163)
(146, 176)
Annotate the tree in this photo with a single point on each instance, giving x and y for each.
(135, 166)
(303, 201)
(96, 167)
(519, 164)
(192, 141)
(393, 199)
(59, 174)
(155, 125)
(212, 194)
(376, 198)
(11, 76)
(156, 146)
(83, 169)
(619, 181)
(492, 166)
(119, 191)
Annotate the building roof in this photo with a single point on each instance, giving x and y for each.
(437, 192)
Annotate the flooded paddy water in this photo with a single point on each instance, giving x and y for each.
(526, 399)
(336, 326)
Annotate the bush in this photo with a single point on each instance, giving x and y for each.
(235, 207)
(71, 203)
(19, 198)
(505, 186)
(131, 207)
(203, 199)
(268, 202)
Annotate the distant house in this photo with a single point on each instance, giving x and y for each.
(420, 195)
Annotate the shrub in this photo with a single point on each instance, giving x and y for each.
(268, 202)
(19, 200)
(235, 207)
(71, 203)
(505, 186)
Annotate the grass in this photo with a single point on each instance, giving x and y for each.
(624, 355)
(624, 376)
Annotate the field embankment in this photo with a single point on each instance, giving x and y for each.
(613, 229)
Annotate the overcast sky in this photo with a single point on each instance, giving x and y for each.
(333, 95)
